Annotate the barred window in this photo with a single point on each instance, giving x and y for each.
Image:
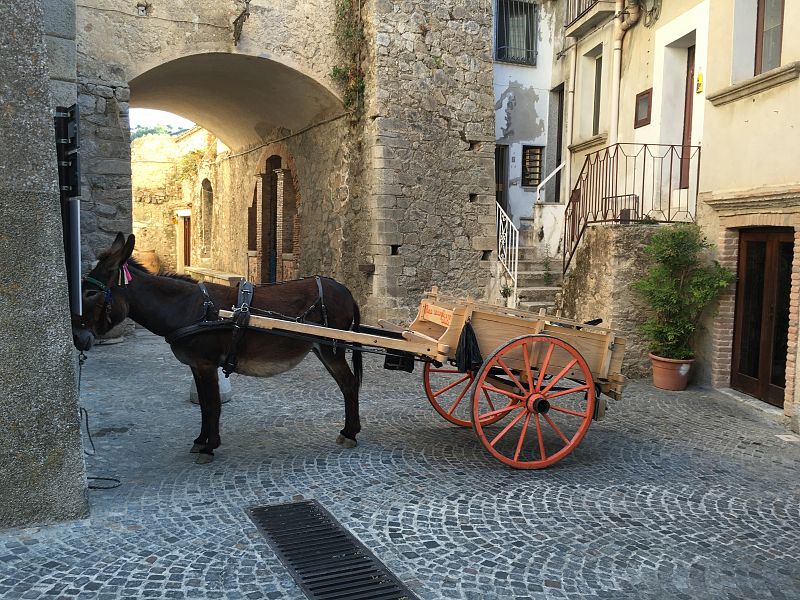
(516, 24)
(531, 166)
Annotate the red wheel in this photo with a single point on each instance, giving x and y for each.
(448, 392)
(551, 405)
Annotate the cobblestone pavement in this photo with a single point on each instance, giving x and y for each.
(674, 495)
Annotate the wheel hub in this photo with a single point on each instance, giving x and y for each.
(537, 403)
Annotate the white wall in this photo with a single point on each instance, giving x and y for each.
(521, 96)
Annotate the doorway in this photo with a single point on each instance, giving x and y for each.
(501, 176)
(762, 313)
(688, 107)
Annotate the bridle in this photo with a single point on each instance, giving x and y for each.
(124, 278)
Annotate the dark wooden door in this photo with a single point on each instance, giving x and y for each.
(688, 106)
(187, 241)
(501, 176)
(762, 313)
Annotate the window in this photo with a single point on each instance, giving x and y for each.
(644, 106)
(515, 39)
(769, 34)
(598, 86)
(206, 214)
(531, 166)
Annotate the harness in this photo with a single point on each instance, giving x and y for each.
(238, 323)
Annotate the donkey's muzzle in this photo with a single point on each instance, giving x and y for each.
(82, 338)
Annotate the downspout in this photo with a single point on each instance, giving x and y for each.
(624, 19)
(570, 110)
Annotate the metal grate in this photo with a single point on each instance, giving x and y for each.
(325, 560)
(516, 31)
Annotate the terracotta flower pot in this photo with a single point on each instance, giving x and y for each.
(670, 374)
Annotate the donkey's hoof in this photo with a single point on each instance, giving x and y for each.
(346, 442)
(197, 448)
(204, 459)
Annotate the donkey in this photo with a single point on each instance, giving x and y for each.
(119, 287)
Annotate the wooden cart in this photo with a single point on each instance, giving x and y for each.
(537, 391)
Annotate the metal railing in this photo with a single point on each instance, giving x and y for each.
(516, 31)
(508, 245)
(544, 181)
(577, 8)
(627, 183)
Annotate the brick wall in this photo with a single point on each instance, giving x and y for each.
(722, 329)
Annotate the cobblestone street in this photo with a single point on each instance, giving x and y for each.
(675, 495)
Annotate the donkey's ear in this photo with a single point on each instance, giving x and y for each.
(127, 249)
(119, 242)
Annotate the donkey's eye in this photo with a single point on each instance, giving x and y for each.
(92, 293)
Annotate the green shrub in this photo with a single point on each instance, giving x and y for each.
(680, 283)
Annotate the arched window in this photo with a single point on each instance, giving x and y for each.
(206, 214)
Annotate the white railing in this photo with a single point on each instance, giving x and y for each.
(548, 178)
(508, 245)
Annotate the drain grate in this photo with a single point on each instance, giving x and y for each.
(326, 561)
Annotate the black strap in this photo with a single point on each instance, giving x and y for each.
(210, 312)
(240, 318)
(322, 302)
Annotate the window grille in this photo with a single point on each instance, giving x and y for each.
(531, 166)
(516, 24)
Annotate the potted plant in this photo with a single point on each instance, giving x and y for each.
(680, 283)
(506, 291)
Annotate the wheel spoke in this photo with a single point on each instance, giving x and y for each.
(488, 399)
(558, 377)
(554, 426)
(543, 368)
(567, 391)
(539, 435)
(499, 411)
(459, 399)
(491, 388)
(528, 371)
(568, 411)
(451, 386)
(510, 374)
(522, 436)
(507, 428)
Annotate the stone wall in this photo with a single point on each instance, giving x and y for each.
(42, 474)
(431, 145)
(608, 260)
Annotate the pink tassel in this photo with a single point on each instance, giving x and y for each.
(126, 274)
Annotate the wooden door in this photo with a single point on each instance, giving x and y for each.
(501, 176)
(762, 313)
(187, 241)
(688, 106)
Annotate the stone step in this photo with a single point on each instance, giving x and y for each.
(535, 253)
(538, 294)
(535, 306)
(544, 278)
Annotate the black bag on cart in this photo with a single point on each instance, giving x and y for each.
(468, 354)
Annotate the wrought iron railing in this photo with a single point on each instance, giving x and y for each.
(627, 183)
(577, 8)
(508, 245)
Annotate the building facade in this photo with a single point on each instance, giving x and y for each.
(651, 88)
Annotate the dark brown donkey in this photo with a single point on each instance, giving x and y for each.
(165, 304)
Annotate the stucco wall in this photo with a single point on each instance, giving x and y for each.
(608, 260)
(42, 474)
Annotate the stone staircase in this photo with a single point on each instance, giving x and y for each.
(538, 279)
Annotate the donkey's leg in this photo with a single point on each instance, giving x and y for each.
(210, 408)
(335, 361)
(201, 440)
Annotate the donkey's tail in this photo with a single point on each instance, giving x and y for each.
(358, 359)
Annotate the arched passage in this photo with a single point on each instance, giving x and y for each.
(241, 99)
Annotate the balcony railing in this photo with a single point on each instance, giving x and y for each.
(627, 183)
(577, 8)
